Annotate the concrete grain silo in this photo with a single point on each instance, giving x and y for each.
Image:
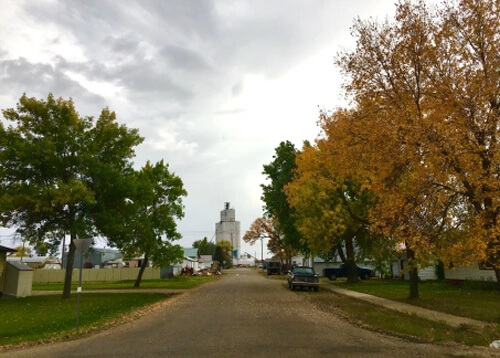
(228, 229)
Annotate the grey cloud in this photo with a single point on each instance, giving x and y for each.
(237, 88)
(147, 77)
(38, 79)
(185, 58)
(126, 43)
(193, 18)
(191, 35)
(266, 41)
(274, 37)
(93, 70)
(161, 22)
(140, 77)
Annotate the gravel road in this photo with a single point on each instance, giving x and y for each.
(242, 314)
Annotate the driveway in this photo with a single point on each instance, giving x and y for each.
(243, 314)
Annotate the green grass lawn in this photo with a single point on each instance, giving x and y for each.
(479, 304)
(400, 324)
(38, 318)
(183, 282)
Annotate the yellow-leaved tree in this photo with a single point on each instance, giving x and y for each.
(424, 128)
(331, 209)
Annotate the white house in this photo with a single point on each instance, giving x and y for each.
(192, 259)
(399, 269)
(471, 272)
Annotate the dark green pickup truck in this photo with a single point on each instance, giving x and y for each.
(303, 277)
(332, 273)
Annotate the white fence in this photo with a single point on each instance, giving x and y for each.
(95, 275)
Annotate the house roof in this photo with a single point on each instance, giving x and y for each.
(191, 252)
(190, 259)
(20, 266)
(6, 249)
(33, 259)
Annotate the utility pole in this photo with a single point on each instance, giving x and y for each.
(262, 251)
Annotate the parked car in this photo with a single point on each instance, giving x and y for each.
(332, 273)
(274, 267)
(303, 276)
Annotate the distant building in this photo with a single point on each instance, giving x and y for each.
(192, 259)
(95, 257)
(228, 229)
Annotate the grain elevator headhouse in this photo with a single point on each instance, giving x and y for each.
(228, 229)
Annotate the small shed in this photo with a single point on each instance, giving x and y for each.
(3, 262)
(18, 279)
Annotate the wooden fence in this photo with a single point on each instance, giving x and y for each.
(96, 275)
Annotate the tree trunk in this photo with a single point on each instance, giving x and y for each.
(288, 260)
(69, 267)
(497, 273)
(413, 273)
(141, 271)
(352, 270)
(341, 253)
(413, 283)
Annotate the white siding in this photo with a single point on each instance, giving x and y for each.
(471, 272)
(428, 273)
(399, 270)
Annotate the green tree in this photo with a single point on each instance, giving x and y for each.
(279, 173)
(204, 246)
(224, 253)
(51, 162)
(145, 224)
(49, 246)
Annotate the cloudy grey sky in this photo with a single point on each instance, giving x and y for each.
(213, 86)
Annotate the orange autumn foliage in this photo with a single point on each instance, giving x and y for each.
(423, 131)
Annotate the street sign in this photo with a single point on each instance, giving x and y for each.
(83, 245)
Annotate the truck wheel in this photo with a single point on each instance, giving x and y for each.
(316, 289)
(333, 277)
(365, 276)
